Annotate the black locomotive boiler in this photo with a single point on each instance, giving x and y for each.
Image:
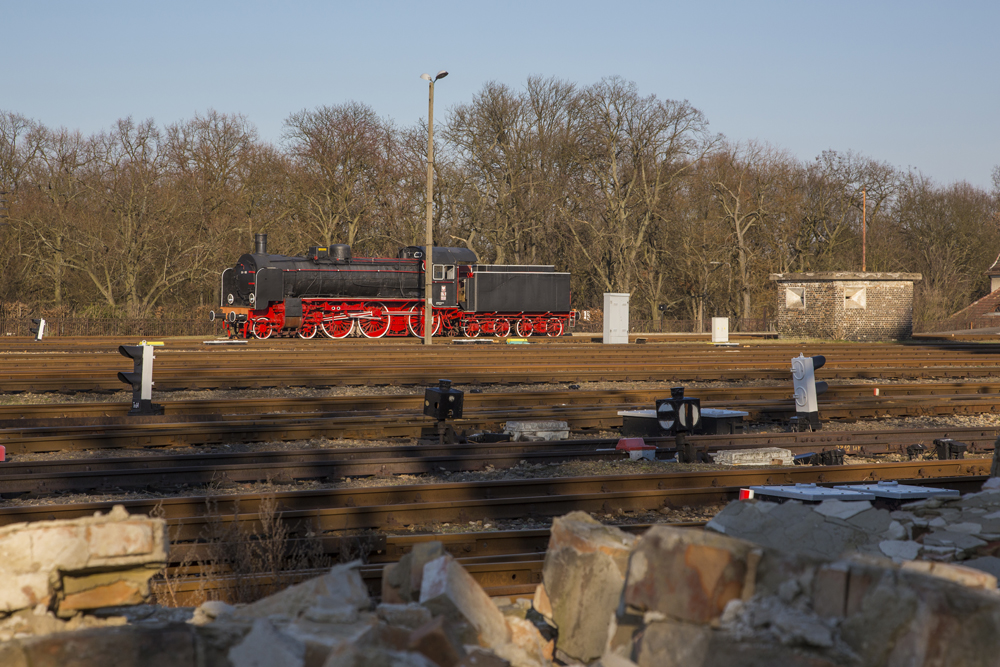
(328, 291)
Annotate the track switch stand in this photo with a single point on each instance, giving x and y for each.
(443, 403)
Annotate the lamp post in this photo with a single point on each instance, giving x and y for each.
(429, 242)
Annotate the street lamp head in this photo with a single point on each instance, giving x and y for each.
(426, 77)
(442, 74)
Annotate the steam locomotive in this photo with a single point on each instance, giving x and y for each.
(331, 293)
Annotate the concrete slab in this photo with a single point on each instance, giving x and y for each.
(755, 457)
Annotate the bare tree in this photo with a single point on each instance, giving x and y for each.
(632, 152)
(341, 156)
(512, 148)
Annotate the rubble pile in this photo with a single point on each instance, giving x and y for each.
(669, 597)
(965, 529)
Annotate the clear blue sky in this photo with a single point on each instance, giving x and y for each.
(916, 84)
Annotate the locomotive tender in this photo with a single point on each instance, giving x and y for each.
(328, 291)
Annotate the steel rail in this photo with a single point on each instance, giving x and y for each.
(389, 507)
(153, 432)
(21, 415)
(222, 469)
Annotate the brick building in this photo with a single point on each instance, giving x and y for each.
(845, 305)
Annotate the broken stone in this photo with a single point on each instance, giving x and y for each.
(540, 602)
(103, 560)
(342, 585)
(341, 614)
(449, 591)
(526, 637)
(401, 581)
(989, 564)
(842, 509)
(960, 574)
(350, 655)
(410, 616)
(898, 549)
(431, 641)
(686, 575)
(583, 575)
(265, 646)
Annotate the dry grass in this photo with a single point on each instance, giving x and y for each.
(253, 556)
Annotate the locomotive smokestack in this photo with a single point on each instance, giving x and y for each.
(260, 244)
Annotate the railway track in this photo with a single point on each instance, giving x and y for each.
(371, 364)
(221, 469)
(400, 416)
(393, 507)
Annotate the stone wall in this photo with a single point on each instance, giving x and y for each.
(845, 305)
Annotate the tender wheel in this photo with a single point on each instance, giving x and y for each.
(555, 327)
(307, 331)
(377, 323)
(261, 329)
(524, 329)
(502, 329)
(472, 329)
(415, 322)
(337, 328)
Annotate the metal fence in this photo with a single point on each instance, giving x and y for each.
(85, 326)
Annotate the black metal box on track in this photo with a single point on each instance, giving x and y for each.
(518, 289)
(443, 402)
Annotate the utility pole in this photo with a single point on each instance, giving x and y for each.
(429, 241)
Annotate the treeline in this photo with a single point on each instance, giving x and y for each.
(630, 193)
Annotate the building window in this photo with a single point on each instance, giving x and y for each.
(795, 297)
(855, 297)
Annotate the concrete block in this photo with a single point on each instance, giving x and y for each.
(120, 539)
(38, 559)
(583, 574)
(537, 430)
(755, 457)
(686, 575)
(449, 591)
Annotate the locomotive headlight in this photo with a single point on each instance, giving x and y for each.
(230, 299)
(252, 298)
